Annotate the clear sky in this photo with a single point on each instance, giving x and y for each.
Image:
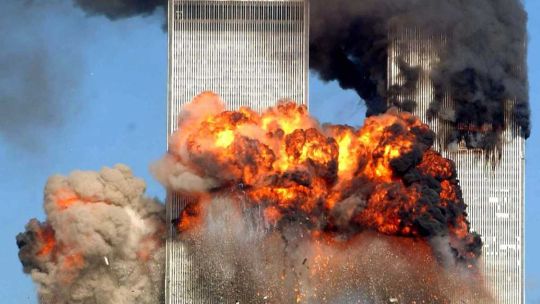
(110, 80)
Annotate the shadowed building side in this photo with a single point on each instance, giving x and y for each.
(494, 191)
(251, 53)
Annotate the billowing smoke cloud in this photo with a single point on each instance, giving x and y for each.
(280, 209)
(102, 241)
(482, 60)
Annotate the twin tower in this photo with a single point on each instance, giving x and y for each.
(256, 52)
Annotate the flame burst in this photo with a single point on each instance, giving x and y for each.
(382, 177)
(45, 236)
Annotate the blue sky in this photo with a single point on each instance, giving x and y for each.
(114, 107)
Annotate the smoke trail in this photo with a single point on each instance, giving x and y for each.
(101, 241)
(36, 83)
(116, 9)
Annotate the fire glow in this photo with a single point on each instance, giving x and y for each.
(102, 240)
(279, 209)
(382, 177)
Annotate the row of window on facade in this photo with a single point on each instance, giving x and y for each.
(254, 10)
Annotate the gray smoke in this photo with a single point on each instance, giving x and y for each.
(115, 9)
(35, 83)
(236, 255)
(38, 75)
(102, 241)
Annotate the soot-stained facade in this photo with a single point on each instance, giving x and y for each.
(252, 53)
(492, 185)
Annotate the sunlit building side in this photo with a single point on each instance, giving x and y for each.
(252, 53)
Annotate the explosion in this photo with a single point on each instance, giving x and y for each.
(266, 193)
(382, 177)
(102, 241)
(278, 209)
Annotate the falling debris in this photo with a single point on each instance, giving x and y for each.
(352, 201)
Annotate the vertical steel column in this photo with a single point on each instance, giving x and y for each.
(250, 56)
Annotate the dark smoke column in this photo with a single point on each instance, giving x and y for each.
(492, 187)
(465, 73)
(251, 53)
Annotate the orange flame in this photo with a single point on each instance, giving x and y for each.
(45, 236)
(65, 198)
(283, 161)
(73, 261)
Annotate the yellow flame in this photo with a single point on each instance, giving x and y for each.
(224, 139)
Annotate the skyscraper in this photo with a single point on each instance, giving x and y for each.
(252, 53)
(494, 194)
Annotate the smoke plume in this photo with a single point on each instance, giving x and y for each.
(481, 66)
(116, 9)
(102, 241)
(281, 209)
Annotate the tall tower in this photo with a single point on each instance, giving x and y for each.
(252, 53)
(495, 195)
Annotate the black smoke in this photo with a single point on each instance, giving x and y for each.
(339, 55)
(482, 66)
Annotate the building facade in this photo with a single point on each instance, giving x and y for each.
(250, 52)
(494, 194)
